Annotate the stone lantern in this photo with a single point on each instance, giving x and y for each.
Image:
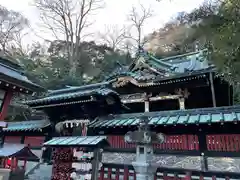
(144, 139)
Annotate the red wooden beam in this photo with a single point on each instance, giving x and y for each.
(7, 100)
(34, 141)
(13, 139)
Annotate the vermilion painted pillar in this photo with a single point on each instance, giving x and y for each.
(188, 176)
(102, 173)
(7, 100)
(117, 174)
(126, 173)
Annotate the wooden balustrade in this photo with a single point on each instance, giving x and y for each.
(120, 173)
(223, 142)
(179, 142)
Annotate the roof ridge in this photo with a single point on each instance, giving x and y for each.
(183, 55)
(30, 121)
(147, 56)
(160, 61)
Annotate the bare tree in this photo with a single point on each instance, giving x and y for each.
(70, 19)
(11, 23)
(18, 47)
(113, 36)
(138, 18)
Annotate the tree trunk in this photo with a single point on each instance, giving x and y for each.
(73, 69)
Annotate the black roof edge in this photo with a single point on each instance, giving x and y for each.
(78, 88)
(30, 86)
(184, 75)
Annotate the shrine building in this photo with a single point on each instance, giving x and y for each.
(182, 97)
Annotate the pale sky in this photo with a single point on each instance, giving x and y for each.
(114, 13)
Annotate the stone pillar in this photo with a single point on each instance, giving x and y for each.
(41, 154)
(144, 171)
(144, 138)
(146, 103)
(146, 106)
(96, 163)
(181, 103)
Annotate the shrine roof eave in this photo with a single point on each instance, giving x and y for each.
(185, 76)
(27, 126)
(25, 86)
(19, 151)
(61, 98)
(228, 114)
(78, 141)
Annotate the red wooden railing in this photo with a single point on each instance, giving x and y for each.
(179, 142)
(223, 142)
(175, 142)
(126, 174)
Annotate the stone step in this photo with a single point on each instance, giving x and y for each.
(44, 172)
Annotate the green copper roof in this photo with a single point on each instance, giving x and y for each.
(151, 67)
(193, 61)
(37, 125)
(71, 94)
(167, 118)
(80, 141)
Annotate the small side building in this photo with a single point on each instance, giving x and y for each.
(13, 82)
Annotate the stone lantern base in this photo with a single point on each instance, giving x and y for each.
(144, 171)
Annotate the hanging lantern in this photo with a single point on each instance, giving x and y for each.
(9, 162)
(88, 176)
